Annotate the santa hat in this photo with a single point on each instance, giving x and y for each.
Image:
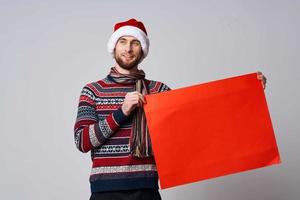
(133, 28)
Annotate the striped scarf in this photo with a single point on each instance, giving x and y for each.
(140, 140)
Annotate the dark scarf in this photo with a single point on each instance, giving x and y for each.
(140, 143)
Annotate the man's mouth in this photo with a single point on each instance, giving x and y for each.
(128, 57)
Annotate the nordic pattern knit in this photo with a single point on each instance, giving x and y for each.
(102, 128)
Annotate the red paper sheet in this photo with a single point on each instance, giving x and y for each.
(210, 130)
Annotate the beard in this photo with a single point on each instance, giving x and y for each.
(128, 65)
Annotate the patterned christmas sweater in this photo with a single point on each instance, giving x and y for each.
(103, 129)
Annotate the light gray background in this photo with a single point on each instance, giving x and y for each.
(50, 49)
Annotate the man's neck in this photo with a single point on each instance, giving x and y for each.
(126, 71)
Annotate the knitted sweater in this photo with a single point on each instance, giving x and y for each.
(102, 128)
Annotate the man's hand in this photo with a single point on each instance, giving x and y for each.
(263, 79)
(131, 101)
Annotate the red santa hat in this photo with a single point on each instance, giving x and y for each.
(133, 28)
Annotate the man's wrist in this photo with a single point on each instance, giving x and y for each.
(124, 112)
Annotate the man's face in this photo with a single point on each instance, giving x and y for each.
(128, 52)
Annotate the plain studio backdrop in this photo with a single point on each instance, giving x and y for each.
(50, 49)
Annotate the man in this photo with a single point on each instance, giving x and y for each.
(111, 122)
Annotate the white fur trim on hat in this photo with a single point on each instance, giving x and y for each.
(131, 31)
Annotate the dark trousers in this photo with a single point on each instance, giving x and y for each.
(141, 194)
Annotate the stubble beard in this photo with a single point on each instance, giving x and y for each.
(130, 65)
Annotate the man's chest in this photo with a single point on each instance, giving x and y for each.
(111, 98)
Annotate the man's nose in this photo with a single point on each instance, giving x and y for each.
(128, 47)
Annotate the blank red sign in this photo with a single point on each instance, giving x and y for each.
(210, 130)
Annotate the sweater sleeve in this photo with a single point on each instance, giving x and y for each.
(164, 88)
(89, 131)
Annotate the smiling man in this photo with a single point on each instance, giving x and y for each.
(111, 122)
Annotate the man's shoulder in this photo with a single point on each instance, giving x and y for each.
(98, 83)
(157, 86)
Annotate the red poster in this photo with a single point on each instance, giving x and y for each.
(210, 130)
